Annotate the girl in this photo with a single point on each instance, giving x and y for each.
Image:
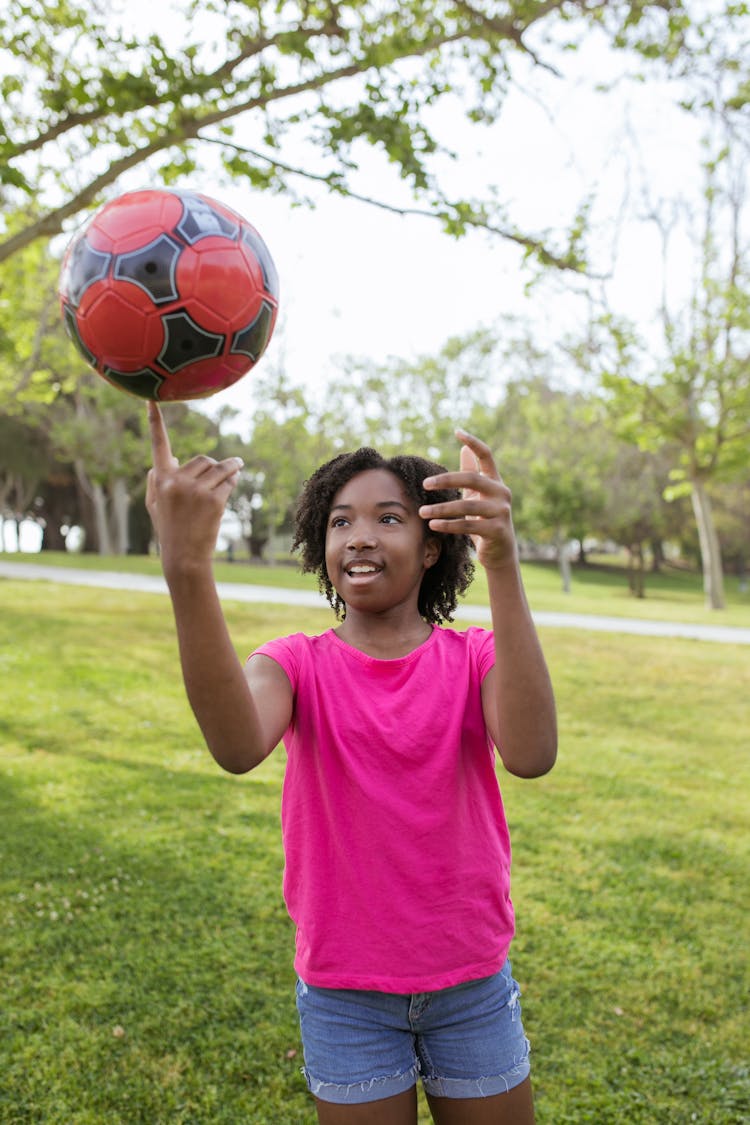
(397, 857)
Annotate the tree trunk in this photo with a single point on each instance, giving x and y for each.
(713, 575)
(119, 506)
(52, 536)
(58, 505)
(99, 502)
(140, 531)
(87, 521)
(563, 561)
(256, 546)
(636, 576)
(657, 556)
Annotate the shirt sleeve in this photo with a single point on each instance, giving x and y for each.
(482, 643)
(284, 651)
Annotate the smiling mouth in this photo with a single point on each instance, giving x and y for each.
(362, 568)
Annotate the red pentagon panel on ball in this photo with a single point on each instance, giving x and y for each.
(220, 280)
(122, 316)
(169, 294)
(134, 219)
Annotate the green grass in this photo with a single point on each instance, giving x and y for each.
(674, 595)
(145, 953)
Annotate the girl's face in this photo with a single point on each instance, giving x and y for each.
(376, 549)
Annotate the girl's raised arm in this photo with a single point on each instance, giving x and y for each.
(242, 714)
(517, 695)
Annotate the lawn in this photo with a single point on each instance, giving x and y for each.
(145, 952)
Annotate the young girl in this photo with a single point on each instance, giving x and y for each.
(397, 856)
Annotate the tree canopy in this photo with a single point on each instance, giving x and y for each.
(86, 96)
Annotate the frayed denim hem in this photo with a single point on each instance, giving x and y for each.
(477, 1087)
(356, 1093)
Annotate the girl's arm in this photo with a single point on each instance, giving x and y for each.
(241, 712)
(517, 697)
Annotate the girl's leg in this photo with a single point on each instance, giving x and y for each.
(398, 1110)
(514, 1108)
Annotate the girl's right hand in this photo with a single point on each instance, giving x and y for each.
(186, 502)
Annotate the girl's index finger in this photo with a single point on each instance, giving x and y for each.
(480, 449)
(160, 447)
(476, 456)
(469, 461)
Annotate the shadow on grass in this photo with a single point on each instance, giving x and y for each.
(146, 955)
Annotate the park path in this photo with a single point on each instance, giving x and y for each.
(270, 595)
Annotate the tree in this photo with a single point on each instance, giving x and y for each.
(36, 357)
(85, 102)
(23, 464)
(695, 399)
(555, 450)
(636, 515)
(102, 434)
(284, 447)
(412, 405)
(731, 505)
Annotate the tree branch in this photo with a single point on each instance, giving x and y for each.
(215, 78)
(52, 223)
(508, 28)
(330, 180)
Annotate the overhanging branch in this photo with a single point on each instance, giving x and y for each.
(450, 211)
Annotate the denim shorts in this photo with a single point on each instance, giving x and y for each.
(463, 1042)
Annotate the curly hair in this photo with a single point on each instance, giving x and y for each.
(442, 583)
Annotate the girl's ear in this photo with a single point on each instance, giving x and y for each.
(432, 549)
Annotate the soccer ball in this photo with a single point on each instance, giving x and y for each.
(169, 294)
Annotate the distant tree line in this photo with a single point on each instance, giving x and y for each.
(80, 460)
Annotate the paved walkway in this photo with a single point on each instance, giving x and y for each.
(269, 595)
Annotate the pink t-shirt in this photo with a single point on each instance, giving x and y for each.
(397, 850)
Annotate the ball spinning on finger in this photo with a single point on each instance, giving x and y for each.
(169, 295)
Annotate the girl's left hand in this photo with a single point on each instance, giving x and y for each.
(484, 509)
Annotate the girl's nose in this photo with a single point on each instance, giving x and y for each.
(361, 537)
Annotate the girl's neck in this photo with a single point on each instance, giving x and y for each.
(383, 637)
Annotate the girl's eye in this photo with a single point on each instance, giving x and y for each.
(338, 521)
(390, 519)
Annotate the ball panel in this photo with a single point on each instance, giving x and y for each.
(217, 278)
(136, 218)
(71, 325)
(82, 266)
(144, 383)
(185, 342)
(152, 267)
(260, 253)
(202, 219)
(204, 378)
(253, 339)
(119, 326)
